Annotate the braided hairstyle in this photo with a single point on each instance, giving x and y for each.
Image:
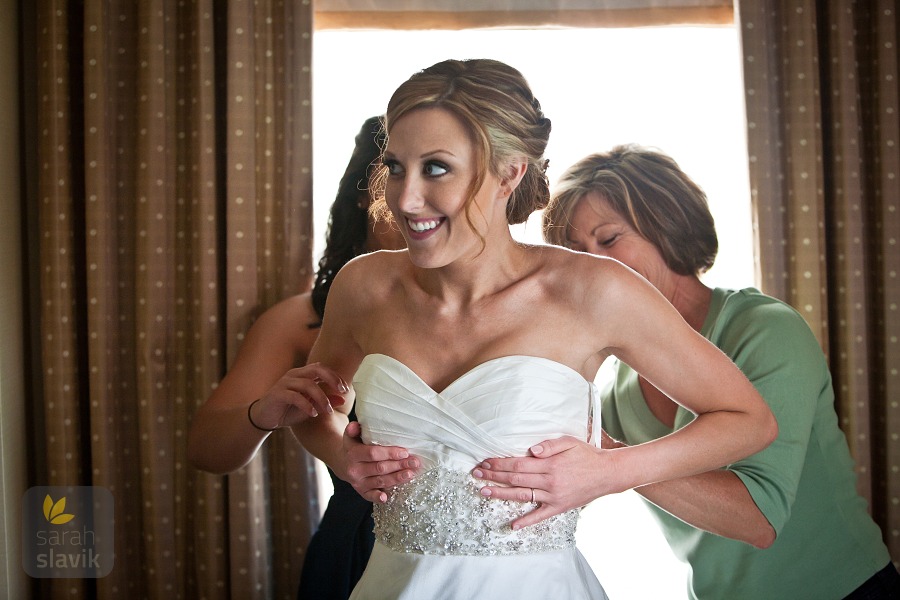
(497, 107)
(348, 220)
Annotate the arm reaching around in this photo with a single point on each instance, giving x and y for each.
(262, 391)
(645, 331)
(371, 470)
(716, 501)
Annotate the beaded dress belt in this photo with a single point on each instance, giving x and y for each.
(442, 512)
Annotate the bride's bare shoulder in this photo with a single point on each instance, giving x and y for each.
(373, 272)
(570, 267)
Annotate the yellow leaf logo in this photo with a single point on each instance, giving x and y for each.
(53, 511)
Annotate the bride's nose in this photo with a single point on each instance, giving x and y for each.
(410, 195)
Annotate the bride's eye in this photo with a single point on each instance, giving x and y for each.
(393, 166)
(434, 169)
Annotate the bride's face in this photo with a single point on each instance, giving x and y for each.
(431, 161)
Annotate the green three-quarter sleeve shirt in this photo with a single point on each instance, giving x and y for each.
(804, 482)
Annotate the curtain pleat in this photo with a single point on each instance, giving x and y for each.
(58, 377)
(173, 207)
(112, 345)
(247, 518)
(266, 127)
(822, 102)
(880, 79)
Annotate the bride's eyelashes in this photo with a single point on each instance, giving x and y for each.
(393, 167)
(434, 168)
(431, 168)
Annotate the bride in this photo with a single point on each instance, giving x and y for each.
(469, 345)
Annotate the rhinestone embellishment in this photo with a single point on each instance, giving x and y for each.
(442, 512)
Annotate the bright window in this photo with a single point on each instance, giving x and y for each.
(676, 88)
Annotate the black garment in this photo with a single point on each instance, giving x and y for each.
(883, 585)
(340, 548)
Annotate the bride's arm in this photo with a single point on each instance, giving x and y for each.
(371, 470)
(733, 421)
(641, 327)
(336, 348)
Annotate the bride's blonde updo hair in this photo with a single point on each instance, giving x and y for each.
(496, 106)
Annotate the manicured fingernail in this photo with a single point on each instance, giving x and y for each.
(537, 449)
(407, 475)
(344, 388)
(402, 455)
(478, 473)
(315, 413)
(486, 491)
(516, 527)
(485, 465)
(329, 409)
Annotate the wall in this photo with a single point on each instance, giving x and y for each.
(13, 580)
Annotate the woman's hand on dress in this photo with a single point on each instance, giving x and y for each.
(560, 475)
(301, 393)
(373, 470)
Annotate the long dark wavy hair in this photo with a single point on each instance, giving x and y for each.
(348, 220)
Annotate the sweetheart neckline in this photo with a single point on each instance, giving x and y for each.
(475, 368)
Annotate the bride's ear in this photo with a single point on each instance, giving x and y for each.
(512, 176)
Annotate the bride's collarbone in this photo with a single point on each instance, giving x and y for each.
(441, 344)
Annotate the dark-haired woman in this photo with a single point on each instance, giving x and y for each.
(259, 393)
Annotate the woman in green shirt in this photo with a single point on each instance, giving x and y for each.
(784, 523)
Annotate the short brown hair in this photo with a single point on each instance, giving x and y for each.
(649, 190)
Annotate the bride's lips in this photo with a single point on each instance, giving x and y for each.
(420, 229)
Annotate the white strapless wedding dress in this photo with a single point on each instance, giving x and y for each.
(437, 537)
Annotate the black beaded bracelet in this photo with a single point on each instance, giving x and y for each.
(250, 417)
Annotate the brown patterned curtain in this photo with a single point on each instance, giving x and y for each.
(169, 205)
(824, 142)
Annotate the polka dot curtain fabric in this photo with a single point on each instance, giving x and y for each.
(821, 83)
(174, 154)
(172, 207)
